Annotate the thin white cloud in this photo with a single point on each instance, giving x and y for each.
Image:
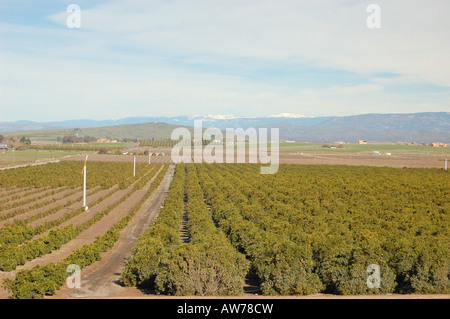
(331, 34)
(174, 57)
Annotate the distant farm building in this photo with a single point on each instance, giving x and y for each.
(3, 147)
(362, 142)
(437, 144)
(103, 140)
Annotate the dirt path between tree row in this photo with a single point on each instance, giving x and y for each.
(101, 279)
(88, 235)
(7, 191)
(92, 194)
(49, 202)
(20, 195)
(97, 229)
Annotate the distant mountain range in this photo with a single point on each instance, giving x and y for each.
(413, 127)
(218, 121)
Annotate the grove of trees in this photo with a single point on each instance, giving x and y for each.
(307, 229)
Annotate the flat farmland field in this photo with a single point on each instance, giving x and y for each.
(306, 230)
(224, 230)
(362, 148)
(286, 156)
(44, 227)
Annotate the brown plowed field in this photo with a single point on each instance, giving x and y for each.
(365, 159)
(394, 160)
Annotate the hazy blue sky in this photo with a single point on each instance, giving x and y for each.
(241, 57)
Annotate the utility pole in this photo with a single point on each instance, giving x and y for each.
(84, 184)
(134, 167)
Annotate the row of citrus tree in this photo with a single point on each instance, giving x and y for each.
(336, 220)
(281, 265)
(68, 173)
(18, 245)
(207, 265)
(41, 280)
(18, 231)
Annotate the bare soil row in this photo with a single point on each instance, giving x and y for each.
(21, 195)
(101, 279)
(105, 198)
(44, 201)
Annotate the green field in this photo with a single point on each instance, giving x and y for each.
(145, 131)
(107, 145)
(40, 135)
(363, 148)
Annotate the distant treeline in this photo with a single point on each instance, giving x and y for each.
(75, 147)
(75, 139)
